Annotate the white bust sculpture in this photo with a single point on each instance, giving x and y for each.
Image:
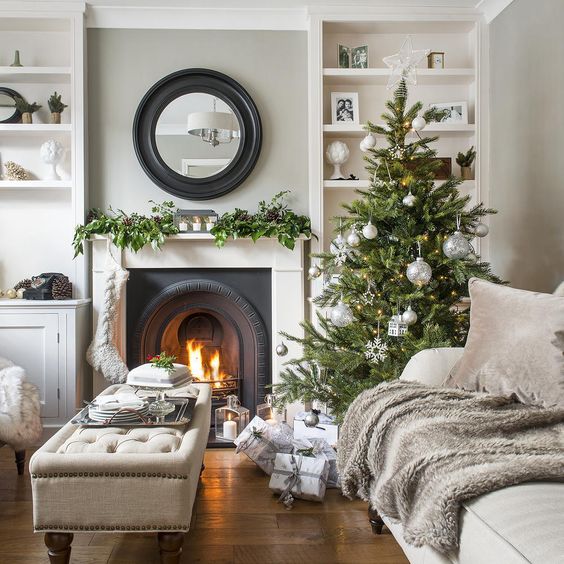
(337, 154)
(52, 153)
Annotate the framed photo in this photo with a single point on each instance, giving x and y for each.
(436, 60)
(344, 56)
(344, 107)
(359, 57)
(457, 112)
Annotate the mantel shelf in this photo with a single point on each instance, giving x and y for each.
(34, 128)
(381, 75)
(16, 185)
(356, 130)
(35, 74)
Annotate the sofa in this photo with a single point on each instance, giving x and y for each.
(514, 525)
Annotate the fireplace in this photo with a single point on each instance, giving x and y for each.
(217, 321)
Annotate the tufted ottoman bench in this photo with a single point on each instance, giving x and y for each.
(120, 479)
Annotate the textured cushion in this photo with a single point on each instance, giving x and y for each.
(431, 366)
(515, 345)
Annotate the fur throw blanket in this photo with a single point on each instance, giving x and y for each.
(20, 425)
(416, 453)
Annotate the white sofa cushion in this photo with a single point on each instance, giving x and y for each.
(431, 366)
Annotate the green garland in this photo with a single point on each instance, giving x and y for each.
(271, 220)
(132, 231)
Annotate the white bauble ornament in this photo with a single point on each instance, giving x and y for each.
(337, 244)
(20, 293)
(52, 153)
(409, 316)
(341, 315)
(481, 230)
(409, 200)
(11, 293)
(369, 142)
(419, 272)
(418, 123)
(337, 154)
(370, 231)
(353, 239)
(314, 271)
(456, 246)
(471, 258)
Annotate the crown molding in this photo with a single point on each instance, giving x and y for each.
(492, 8)
(37, 6)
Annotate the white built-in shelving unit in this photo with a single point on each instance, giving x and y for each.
(462, 37)
(40, 214)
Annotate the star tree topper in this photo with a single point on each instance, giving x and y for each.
(404, 63)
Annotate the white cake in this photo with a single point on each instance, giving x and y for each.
(149, 375)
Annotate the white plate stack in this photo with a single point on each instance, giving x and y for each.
(120, 408)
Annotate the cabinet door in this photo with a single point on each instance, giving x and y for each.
(31, 341)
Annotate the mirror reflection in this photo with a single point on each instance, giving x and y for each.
(7, 107)
(197, 135)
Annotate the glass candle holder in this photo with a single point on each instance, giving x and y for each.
(230, 419)
(269, 412)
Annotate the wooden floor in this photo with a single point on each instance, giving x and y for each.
(236, 520)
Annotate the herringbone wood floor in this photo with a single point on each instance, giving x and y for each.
(236, 521)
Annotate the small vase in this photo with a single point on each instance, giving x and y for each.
(55, 117)
(466, 172)
(16, 62)
(27, 117)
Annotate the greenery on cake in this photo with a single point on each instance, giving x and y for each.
(162, 360)
(273, 219)
(128, 231)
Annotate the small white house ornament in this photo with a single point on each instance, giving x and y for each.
(52, 153)
(396, 327)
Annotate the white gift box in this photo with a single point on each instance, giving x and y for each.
(320, 448)
(327, 431)
(301, 476)
(261, 442)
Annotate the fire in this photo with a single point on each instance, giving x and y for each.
(202, 368)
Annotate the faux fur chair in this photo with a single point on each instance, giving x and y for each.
(20, 425)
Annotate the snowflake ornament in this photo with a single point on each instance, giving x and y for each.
(376, 350)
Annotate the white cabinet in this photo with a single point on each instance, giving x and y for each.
(48, 339)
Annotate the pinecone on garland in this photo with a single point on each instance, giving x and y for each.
(25, 284)
(272, 215)
(62, 288)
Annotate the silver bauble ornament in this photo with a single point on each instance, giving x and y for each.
(369, 142)
(471, 258)
(419, 272)
(314, 271)
(370, 231)
(418, 123)
(409, 200)
(11, 293)
(337, 244)
(456, 246)
(311, 419)
(282, 349)
(481, 230)
(341, 315)
(353, 239)
(409, 316)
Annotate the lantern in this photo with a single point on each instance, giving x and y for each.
(269, 412)
(230, 419)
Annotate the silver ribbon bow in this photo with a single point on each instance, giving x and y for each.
(293, 478)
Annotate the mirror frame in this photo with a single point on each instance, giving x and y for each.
(16, 117)
(157, 99)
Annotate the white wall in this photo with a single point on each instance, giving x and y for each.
(124, 64)
(527, 140)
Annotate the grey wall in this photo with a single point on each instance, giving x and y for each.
(527, 142)
(124, 64)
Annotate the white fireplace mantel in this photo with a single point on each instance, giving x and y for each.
(200, 251)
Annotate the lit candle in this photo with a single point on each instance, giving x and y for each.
(230, 430)
(182, 226)
(196, 223)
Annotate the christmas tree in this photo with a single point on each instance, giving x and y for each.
(401, 272)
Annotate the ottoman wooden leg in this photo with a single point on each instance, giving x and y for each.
(170, 545)
(375, 521)
(59, 547)
(20, 461)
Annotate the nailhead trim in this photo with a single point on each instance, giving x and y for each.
(112, 528)
(111, 475)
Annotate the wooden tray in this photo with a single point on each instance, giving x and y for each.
(180, 416)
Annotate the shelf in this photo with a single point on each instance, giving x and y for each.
(364, 184)
(352, 130)
(35, 184)
(34, 128)
(35, 74)
(359, 77)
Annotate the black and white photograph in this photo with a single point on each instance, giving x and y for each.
(344, 56)
(456, 112)
(359, 57)
(344, 107)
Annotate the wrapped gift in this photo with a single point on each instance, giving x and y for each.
(320, 448)
(297, 476)
(327, 431)
(261, 442)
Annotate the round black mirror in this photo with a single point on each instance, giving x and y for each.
(8, 111)
(197, 134)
